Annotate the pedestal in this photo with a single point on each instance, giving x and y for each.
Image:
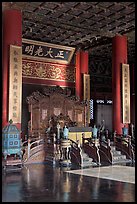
(65, 152)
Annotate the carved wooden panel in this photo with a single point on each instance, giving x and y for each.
(79, 117)
(35, 118)
(57, 111)
(70, 114)
(44, 114)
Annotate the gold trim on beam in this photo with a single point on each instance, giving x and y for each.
(48, 79)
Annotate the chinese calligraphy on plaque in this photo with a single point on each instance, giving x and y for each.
(86, 88)
(126, 93)
(15, 83)
(86, 80)
(47, 51)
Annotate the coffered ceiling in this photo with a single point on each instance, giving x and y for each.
(84, 25)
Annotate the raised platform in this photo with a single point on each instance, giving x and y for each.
(75, 133)
(80, 129)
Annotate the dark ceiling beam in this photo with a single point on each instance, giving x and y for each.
(39, 7)
(72, 26)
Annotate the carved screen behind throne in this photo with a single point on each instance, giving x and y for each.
(56, 104)
(79, 117)
(57, 111)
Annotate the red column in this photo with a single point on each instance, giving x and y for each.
(12, 34)
(78, 82)
(81, 68)
(84, 62)
(119, 55)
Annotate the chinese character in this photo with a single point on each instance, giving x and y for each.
(15, 86)
(126, 107)
(14, 108)
(126, 112)
(14, 115)
(15, 94)
(125, 80)
(49, 53)
(15, 100)
(15, 52)
(15, 73)
(39, 52)
(125, 75)
(125, 70)
(126, 95)
(29, 49)
(15, 66)
(15, 80)
(125, 85)
(15, 59)
(60, 54)
(125, 90)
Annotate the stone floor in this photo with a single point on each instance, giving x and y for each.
(44, 183)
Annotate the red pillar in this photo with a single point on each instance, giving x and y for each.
(12, 34)
(84, 62)
(81, 68)
(119, 55)
(78, 83)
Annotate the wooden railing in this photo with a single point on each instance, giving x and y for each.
(133, 143)
(76, 153)
(52, 148)
(25, 150)
(35, 147)
(30, 148)
(91, 149)
(124, 145)
(100, 152)
(105, 152)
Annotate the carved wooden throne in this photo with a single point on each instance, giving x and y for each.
(53, 105)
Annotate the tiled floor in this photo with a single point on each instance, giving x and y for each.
(44, 183)
(115, 172)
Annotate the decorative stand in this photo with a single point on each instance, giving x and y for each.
(65, 152)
